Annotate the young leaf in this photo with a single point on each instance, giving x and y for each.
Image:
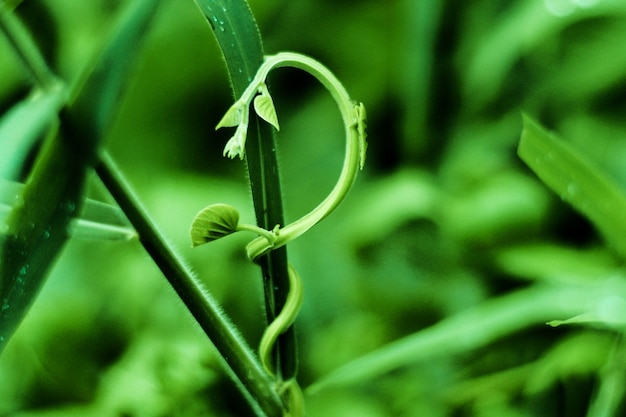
(212, 223)
(264, 107)
(233, 117)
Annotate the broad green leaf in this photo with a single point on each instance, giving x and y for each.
(576, 180)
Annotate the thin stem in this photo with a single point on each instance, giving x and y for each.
(240, 360)
(353, 115)
(25, 48)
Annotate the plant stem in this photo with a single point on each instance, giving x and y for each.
(25, 48)
(240, 360)
(238, 36)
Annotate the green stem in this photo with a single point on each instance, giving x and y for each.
(238, 36)
(354, 119)
(240, 360)
(25, 48)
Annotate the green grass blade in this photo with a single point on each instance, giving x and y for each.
(38, 228)
(238, 36)
(573, 177)
(97, 220)
(239, 39)
(98, 98)
(24, 124)
(476, 327)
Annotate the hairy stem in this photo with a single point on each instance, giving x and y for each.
(240, 359)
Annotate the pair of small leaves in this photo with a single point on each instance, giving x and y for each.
(238, 115)
(214, 222)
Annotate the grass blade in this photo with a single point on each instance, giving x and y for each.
(24, 124)
(38, 228)
(239, 39)
(573, 177)
(476, 327)
(97, 220)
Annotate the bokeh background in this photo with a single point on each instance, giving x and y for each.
(443, 218)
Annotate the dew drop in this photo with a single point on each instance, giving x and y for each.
(572, 189)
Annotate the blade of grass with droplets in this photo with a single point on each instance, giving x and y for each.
(238, 36)
(571, 175)
(37, 228)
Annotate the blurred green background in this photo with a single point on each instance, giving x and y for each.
(444, 217)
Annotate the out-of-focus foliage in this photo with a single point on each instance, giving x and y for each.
(444, 221)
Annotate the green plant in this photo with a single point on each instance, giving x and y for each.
(23, 267)
(219, 220)
(454, 280)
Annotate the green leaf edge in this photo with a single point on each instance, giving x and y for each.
(577, 180)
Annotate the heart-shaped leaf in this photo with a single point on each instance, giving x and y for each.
(264, 107)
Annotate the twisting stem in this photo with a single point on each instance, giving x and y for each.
(354, 120)
(220, 220)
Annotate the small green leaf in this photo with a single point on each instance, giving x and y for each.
(264, 107)
(213, 222)
(233, 117)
